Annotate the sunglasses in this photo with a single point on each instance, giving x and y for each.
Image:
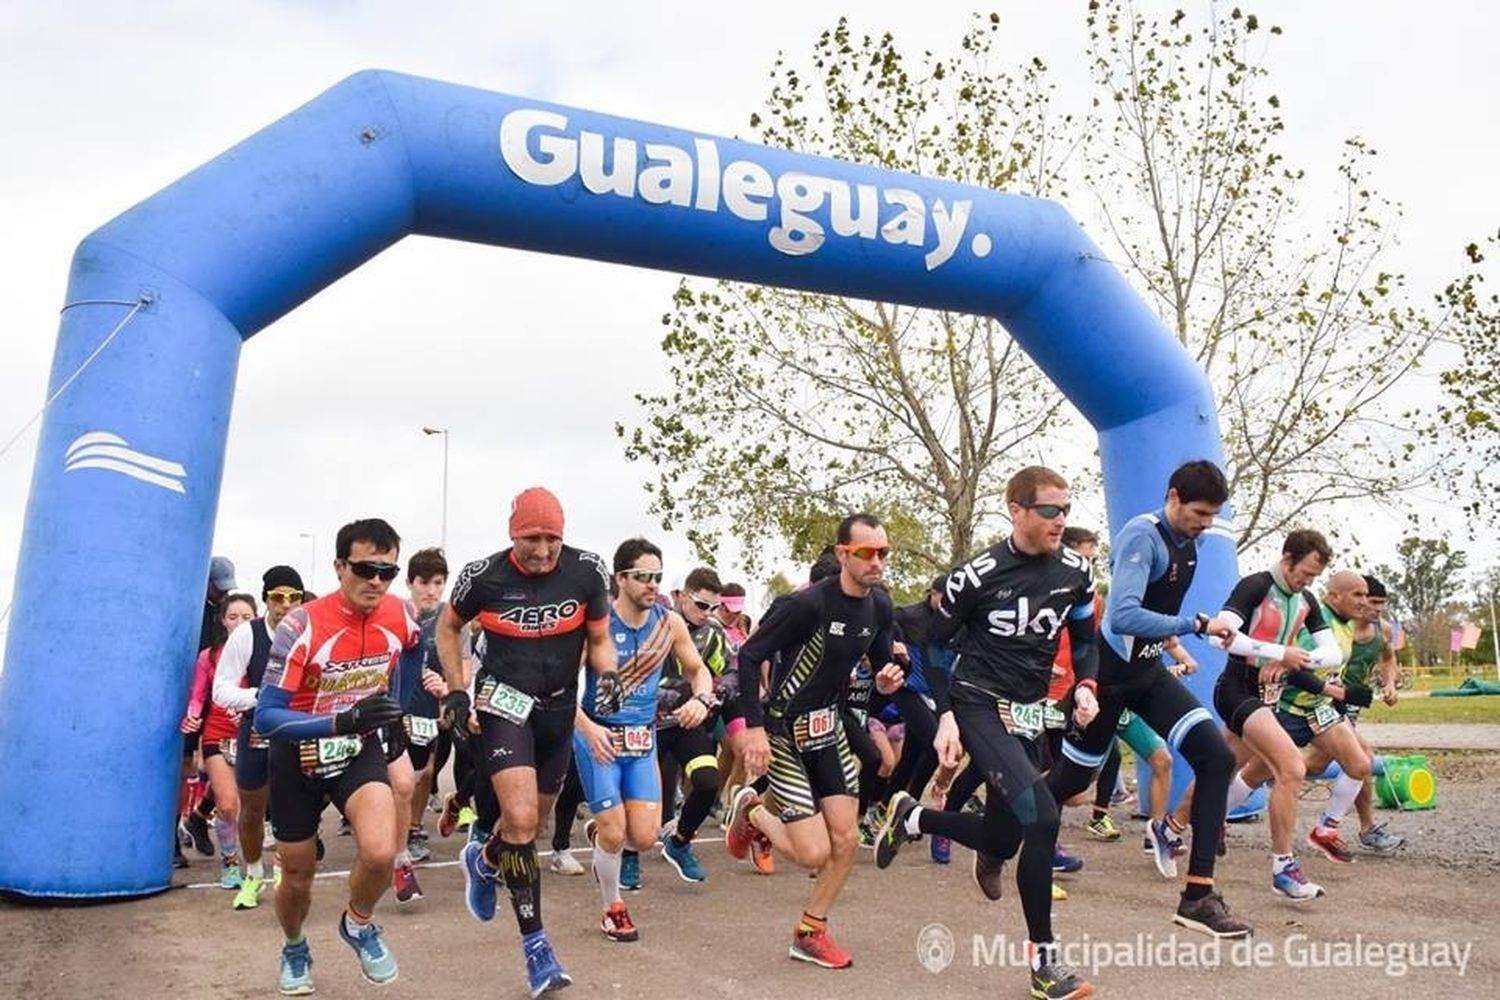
(366, 570)
(284, 596)
(1048, 511)
(643, 575)
(869, 553)
(705, 605)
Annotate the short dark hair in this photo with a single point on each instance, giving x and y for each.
(1374, 587)
(1200, 481)
(1074, 537)
(732, 590)
(426, 564)
(826, 565)
(1023, 485)
(846, 526)
(630, 552)
(703, 578)
(1304, 542)
(372, 530)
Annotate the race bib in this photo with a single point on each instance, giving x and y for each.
(329, 756)
(505, 701)
(1325, 716)
(632, 741)
(1024, 720)
(227, 749)
(420, 730)
(1052, 716)
(816, 729)
(258, 742)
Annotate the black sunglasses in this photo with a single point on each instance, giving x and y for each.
(370, 570)
(1049, 510)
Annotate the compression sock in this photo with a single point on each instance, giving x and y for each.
(1239, 793)
(1345, 790)
(607, 873)
(517, 866)
(228, 835)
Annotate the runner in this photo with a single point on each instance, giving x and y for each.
(614, 739)
(237, 681)
(323, 703)
(1267, 611)
(688, 750)
(1372, 648)
(539, 603)
(1012, 601)
(218, 740)
(813, 638)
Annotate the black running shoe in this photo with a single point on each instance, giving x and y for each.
(1210, 915)
(1054, 981)
(989, 874)
(197, 828)
(892, 833)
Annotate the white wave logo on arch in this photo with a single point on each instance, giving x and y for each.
(102, 450)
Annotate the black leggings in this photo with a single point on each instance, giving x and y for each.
(864, 748)
(918, 759)
(566, 809)
(1108, 775)
(1019, 811)
(690, 751)
(1170, 709)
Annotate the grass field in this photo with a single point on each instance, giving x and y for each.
(1478, 708)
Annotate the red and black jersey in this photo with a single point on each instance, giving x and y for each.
(329, 655)
(534, 625)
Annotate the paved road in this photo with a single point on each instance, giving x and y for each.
(1445, 736)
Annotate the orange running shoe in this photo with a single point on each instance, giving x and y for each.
(819, 949)
(737, 838)
(616, 924)
(760, 854)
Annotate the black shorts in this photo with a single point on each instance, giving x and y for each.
(215, 748)
(689, 749)
(544, 742)
(801, 778)
(420, 754)
(1237, 696)
(1303, 729)
(251, 764)
(1162, 701)
(298, 800)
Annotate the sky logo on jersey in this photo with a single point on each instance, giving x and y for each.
(1015, 621)
(969, 574)
(102, 450)
(538, 148)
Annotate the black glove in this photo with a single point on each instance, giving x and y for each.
(456, 714)
(609, 693)
(1358, 695)
(368, 714)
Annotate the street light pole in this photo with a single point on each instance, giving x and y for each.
(444, 432)
(312, 558)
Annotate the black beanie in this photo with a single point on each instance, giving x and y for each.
(280, 576)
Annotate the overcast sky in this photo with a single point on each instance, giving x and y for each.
(530, 360)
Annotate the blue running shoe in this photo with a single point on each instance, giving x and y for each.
(942, 850)
(296, 969)
(1291, 883)
(543, 972)
(683, 859)
(479, 882)
(630, 872)
(1064, 862)
(375, 959)
(1165, 846)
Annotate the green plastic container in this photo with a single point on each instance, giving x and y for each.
(1407, 784)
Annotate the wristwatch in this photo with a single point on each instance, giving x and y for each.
(1200, 623)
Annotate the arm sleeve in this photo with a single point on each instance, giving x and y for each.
(229, 677)
(1327, 652)
(203, 675)
(1305, 680)
(274, 719)
(1134, 565)
(1085, 653)
(1242, 645)
(786, 624)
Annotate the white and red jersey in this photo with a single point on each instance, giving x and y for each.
(328, 655)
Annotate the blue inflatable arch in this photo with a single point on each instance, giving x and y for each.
(130, 459)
